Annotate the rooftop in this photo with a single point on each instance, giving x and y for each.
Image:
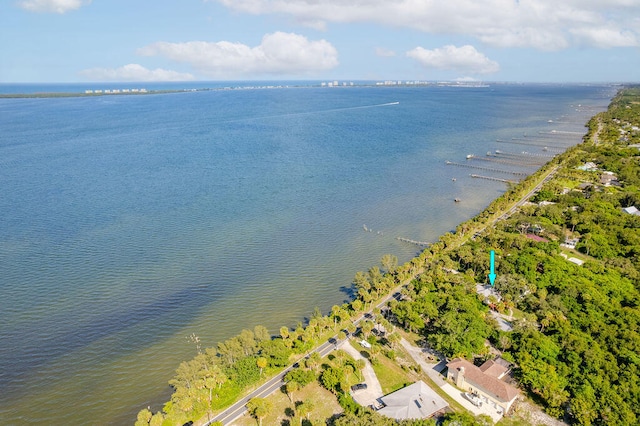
(537, 238)
(494, 368)
(416, 401)
(485, 381)
(632, 210)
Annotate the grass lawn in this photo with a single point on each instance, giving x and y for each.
(325, 406)
(576, 254)
(391, 376)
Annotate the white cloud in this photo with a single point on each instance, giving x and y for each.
(606, 37)
(52, 6)
(278, 53)
(134, 72)
(465, 59)
(541, 24)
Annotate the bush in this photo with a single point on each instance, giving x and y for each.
(348, 404)
(246, 371)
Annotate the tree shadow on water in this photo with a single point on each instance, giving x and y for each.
(350, 291)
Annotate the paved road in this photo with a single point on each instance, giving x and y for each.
(522, 200)
(527, 195)
(274, 384)
(239, 408)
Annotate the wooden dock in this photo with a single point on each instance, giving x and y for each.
(516, 141)
(487, 169)
(410, 241)
(493, 178)
(510, 162)
(517, 155)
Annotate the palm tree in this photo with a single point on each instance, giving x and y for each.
(313, 361)
(258, 408)
(389, 262)
(366, 328)
(291, 387)
(262, 363)
(284, 333)
(304, 409)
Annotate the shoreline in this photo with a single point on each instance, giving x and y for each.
(499, 209)
(447, 242)
(467, 200)
(317, 85)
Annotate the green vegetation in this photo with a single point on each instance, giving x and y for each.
(577, 345)
(576, 329)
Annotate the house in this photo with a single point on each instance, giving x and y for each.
(488, 293)
(497, 368)
(608, 179)
(588, 167)
(584, 185)
(416, 401)
(570, 243)
(535, 229)
(632, 210)
(484, 381)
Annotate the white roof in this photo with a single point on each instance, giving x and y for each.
(416, 401)
(631, 210)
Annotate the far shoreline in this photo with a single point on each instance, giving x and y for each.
(102, 90)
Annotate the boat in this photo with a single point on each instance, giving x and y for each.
(470, 156)
(474, 399)
(457, 200)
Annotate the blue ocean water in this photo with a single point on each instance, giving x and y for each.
(131, 222)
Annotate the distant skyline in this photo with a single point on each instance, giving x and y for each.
(190, 40)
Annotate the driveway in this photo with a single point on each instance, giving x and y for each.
(503, 322)
(434, 370)
(368, 396)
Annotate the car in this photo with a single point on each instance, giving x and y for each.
(359, 386)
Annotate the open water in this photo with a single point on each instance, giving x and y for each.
(131, 222)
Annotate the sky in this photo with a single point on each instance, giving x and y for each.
(210, 40)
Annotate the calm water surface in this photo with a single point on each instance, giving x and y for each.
(131, 222)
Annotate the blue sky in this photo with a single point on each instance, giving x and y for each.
(160, 40)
